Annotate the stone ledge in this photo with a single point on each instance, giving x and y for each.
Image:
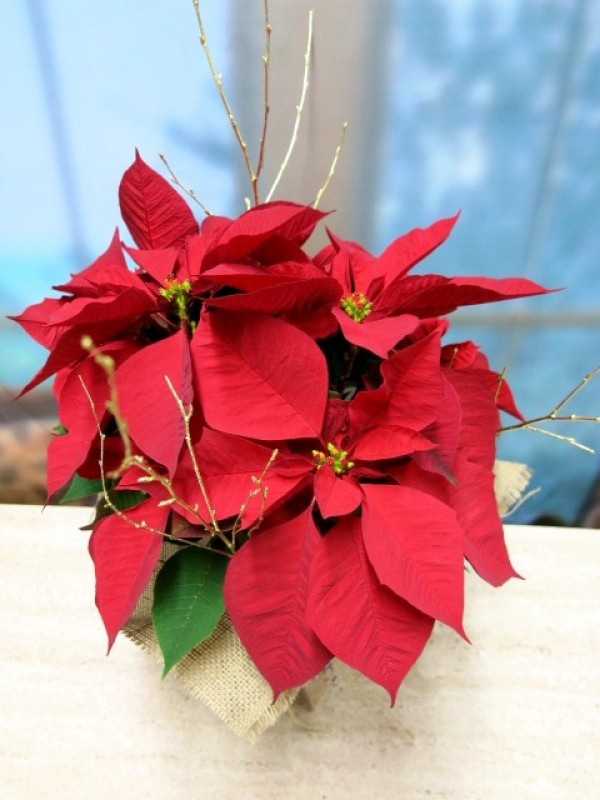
(515, 715)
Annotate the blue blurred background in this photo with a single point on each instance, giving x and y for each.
(491, 106)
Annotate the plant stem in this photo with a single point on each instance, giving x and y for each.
(299, 109)
(218, 80)
(267, 107)
(331, 172)
(189, 192)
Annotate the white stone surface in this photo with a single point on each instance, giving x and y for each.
(515, 716)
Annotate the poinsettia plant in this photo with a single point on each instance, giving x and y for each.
(297, 425)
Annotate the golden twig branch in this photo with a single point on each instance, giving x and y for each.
(187, 415)
(108, 365)
(454, 354)
(259, 488)
(267, 108)
(567, 439)
(109, 503)
(556, 416)
(190, 192)
(501, 378)
(333, 166)
(218, 81)
(299, 109)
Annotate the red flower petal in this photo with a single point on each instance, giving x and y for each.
(362, 622)
(124, 558)
(435, 295)
(35, 320)
(474, 501)
(67, 453)
(479, 416)
(259, 376)
(67, 351)
(147, 404)
(300, 298)
(444, 433)
(227, 465)
(155, 214)
(160, 264)
(252, 230)
(406, 251)
(501, 390)
(411, 392)
(388, 441)
(248, 277)
(415, 546)
(336, 495)
(352, 266)
(380, 335)
(265, 595)
(124, 308)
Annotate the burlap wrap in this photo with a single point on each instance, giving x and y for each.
(510, 481)
(220, 672)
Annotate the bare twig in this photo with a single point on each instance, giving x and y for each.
(567, 439)
(299, 109)
(331, 172)
(190, 192)
(108, 365)
(187, 415)
(501, 378)
(581, 385)
(454, 354)
(555, 416)
(218, 80)
(259, 488)
(143, 525)
(267, 108)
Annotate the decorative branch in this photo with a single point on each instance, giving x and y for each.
(331, 172)
(555, 416)
(454, 354)
(267, 108)
(259, 488)
(108, 365)
(177, 182)
(567, 439)
(299, 109)
(218, 81)
(187, 415)
(501, 378)
(106, 494)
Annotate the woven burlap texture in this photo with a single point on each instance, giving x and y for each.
(510, 481)
(220, 672)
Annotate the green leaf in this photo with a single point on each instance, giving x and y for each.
(188, 601)
(80, 487)
(123, 500)
(59, 430)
